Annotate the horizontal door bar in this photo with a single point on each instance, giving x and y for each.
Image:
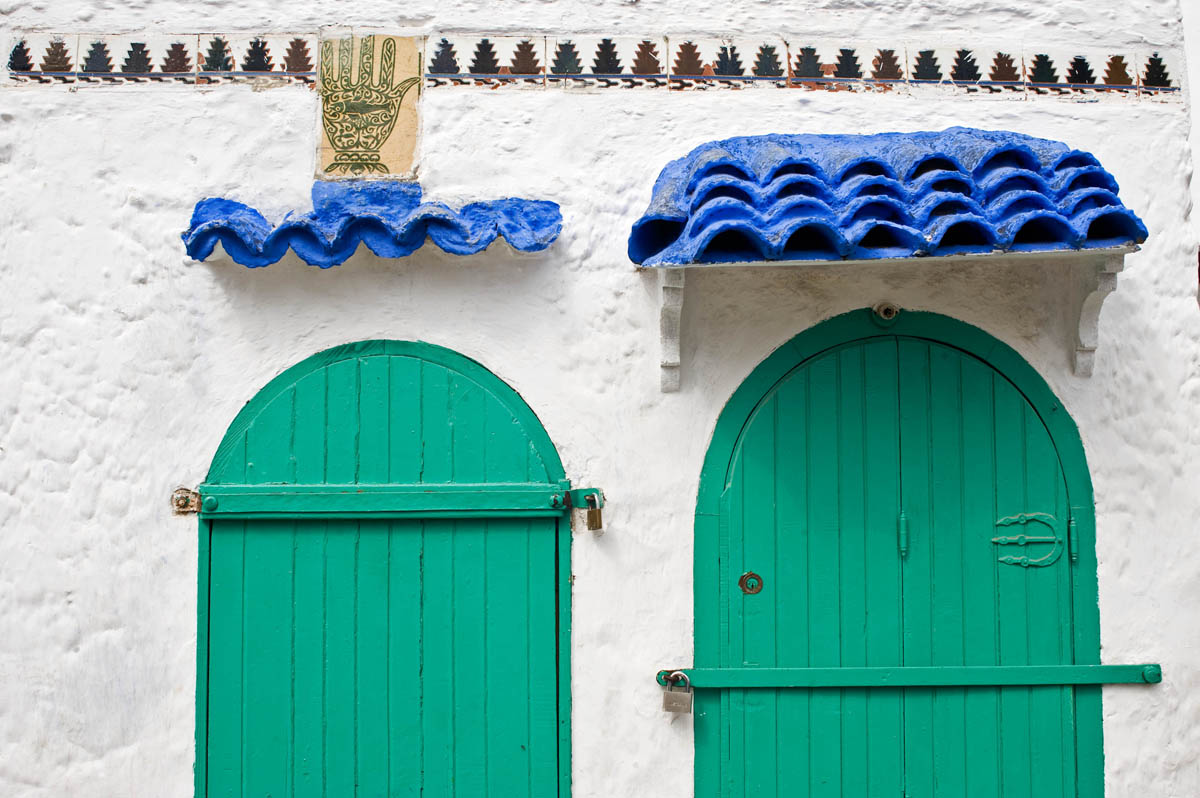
(940, 676)
(537, 500)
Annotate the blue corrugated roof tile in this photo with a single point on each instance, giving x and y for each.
(826, 197)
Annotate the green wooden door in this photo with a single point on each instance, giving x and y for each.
(903, 505)
(384, 609)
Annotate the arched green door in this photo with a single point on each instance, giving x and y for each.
(904, 513)
(383, 596)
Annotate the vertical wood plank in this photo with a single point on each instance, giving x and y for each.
(543, 687)
(852, 508)
(226, 628)
(916, 501)
(881, 465)
(1012, 601)
(203, 592)
(308, 689)
(505, 674)
(1049, 619)
(824, 573)
(758, 611)
(437, 460)
(371, 659)
(792, 627)
(341, 726)
(473, 632)
(267, 669)
(342, 428)
(980, 632)
(405, 638)
(437, 654)
(405, 439)
(371, 592)
(946, 514)
(735, 776)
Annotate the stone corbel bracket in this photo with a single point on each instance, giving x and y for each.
(669, 316)
(1092, 275)
(1093, 278)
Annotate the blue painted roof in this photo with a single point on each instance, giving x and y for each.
(388, 216)
(824, 197)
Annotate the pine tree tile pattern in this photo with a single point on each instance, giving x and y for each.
(106, 59)
(485, 61)
(607, 62)
(1159, 72)
(992, 68)
(704, 63)
(843, 66)
(239, 57)
(965, 68)
(45, 58)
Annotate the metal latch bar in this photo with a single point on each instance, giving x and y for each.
(920, 676)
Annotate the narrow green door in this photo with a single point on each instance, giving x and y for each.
(893, 502)
(384, 609)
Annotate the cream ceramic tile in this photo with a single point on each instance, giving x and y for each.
(1082, 71)
(1159, 73)
(607, 62)
(485, 61)
(42, 58)
(829, 64)
(111, 59)
(704, 62)
(369, 88)
(241, 57)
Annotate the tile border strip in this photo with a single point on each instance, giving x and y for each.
(595, 61)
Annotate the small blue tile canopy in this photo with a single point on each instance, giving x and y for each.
(891, 195)
(388, 216)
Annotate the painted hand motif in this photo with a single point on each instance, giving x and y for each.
(359, 115)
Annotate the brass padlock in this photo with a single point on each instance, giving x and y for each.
(595, 520)
(675, 699)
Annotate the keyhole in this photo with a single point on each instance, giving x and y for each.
(750, 583)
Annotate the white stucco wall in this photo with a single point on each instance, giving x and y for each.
(122, 362)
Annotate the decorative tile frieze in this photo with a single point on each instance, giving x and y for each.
(485, 61)
(707, 63)
(43, 58)
(106, 59)
(225, 57)
(595, 60)
(607, 62)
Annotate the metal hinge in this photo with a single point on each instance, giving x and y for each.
(185, 501)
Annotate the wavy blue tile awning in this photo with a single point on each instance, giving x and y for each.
(890, 195)
(388, 216)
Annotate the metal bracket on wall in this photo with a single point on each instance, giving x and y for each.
(185, 501)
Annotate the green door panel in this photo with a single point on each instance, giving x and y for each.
(387, 658)
(905, 505)
(384, 596)
(385, 412)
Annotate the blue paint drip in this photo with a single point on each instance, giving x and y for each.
(827, 197)
(387, 216)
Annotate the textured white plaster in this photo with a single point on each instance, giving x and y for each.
(122, 362)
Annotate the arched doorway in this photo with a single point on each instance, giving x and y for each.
(896, 504)
(384, 599)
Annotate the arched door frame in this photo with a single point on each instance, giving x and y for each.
(559, 505)
(861, 325)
